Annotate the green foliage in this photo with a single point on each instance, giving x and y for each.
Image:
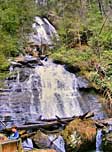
(73, 56)
(16, 17)
(3, 62)
(78, 134)
(72, 19)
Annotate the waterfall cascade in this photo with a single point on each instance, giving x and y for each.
(41, 2)
(47, 91)
(44, 32)
(99, 140)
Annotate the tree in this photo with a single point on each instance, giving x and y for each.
(16, 17)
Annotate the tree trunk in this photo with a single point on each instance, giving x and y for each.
(101, 7)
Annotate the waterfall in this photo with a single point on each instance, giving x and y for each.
(44, 32)
(11, 69)
(32, 106)
(41, 2)
(45, 91)
(99, 140)
(18, 77)
(59, 95)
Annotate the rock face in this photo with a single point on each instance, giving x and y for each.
(80, 135)
(45, 91)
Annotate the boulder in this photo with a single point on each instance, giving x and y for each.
(107, 142)
(43, 141)
(80, 135)
(27, 61)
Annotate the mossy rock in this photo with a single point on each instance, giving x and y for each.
(107, 143)
(80, 135)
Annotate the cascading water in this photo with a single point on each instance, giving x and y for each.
(47, 91)
(58, 96)
(99, 141)
(44, 32)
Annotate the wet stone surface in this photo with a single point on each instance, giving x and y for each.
(48, 91)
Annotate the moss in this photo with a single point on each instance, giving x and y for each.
(79, 132)
(107, 142)
(72, 57)
(4, 64)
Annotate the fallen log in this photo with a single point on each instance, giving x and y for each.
(62, 120)
(107, 121)
(38, 126)
(53, 123)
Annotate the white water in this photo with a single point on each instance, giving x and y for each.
(32, 106)
(48, 91)
(59, 94)
(44, 32)
(99, 140)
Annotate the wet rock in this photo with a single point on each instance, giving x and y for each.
(82, 83)
(80, 135)
(58, 62)
(16, 64)
(42, 140)
(27, 61)
(30, 92)
(72, 69)
(107, 142)
(44, 57)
